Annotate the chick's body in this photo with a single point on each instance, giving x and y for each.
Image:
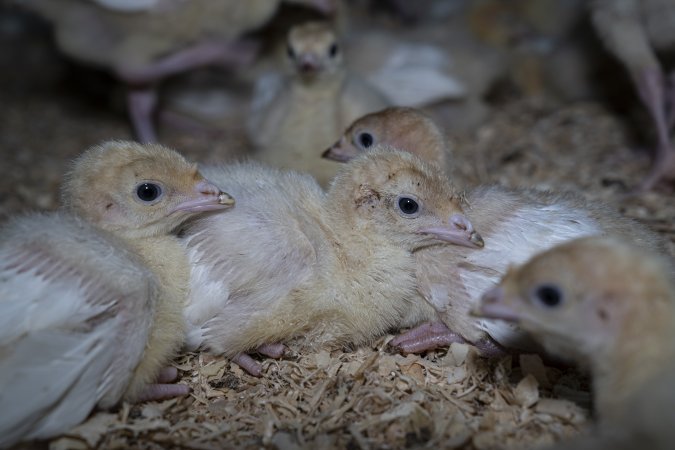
(294, 259)
(92, 296)
(515, 224)
(65, 332)
(600, 302)
(294, 118)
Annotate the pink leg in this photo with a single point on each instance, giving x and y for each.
(141, 103)
(252, 366)
(422, 330)
(233, 53)
(167, 375)
(670, 90)
(427, 336)
(161, 390)
(652, 89)
(249, 364)
(272, 350)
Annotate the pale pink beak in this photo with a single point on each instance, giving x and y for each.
(308, 63)
(208, 197)
(340, 151)
(459, 232)
(492, 306)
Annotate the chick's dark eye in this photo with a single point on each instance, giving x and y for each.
(408, 206)
(333, 50)
(548, 295)
(366, 140)
(148, 192)
(290, 52)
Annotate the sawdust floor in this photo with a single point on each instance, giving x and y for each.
(366, 398)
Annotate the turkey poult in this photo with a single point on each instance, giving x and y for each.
(515, 224)
(609, 307)
(292, 260)
(293, 118)
(91, 297)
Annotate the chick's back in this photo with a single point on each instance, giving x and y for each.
(272, 259)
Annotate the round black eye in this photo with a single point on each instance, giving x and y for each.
(366, 140)
(408, 206)
(333, 50)
(148, 192)
(548, 296)
(290, 52)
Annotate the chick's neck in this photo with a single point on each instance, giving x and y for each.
(368, 282)
(637, 354)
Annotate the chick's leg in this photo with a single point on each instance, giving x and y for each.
(216, 52)
(427, 336)
(141, 102)
(652, 89)
(670, 92)
(252, 366)
(272, 350)
(163, 389)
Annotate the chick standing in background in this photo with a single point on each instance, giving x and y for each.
(515, 223)
(634, 30)
(145, 42)
(294, 117)
(609, 307)
(292, 259)
(91, 302)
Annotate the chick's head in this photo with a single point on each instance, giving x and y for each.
(401, 128)
(313, 50)
(138, 190)
(585, 298)
(399, 196)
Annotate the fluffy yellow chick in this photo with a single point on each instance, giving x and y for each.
(602, 303)
(91, 297)
(515, 224)
(146, 41)
(295, 117)
(635, 31)
(292, 260)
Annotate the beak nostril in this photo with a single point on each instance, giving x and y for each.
(461, 223)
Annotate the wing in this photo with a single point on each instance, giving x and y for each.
(246, 261)
(74, 319)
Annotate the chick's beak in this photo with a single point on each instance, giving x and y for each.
(207, 197)
(340, 151)
(459, 232)
(308, 63)
(493, 306)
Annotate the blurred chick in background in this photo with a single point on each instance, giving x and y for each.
(142, 43)
(636, 32)
(293, 117)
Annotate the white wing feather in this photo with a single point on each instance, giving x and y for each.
(75, 313)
